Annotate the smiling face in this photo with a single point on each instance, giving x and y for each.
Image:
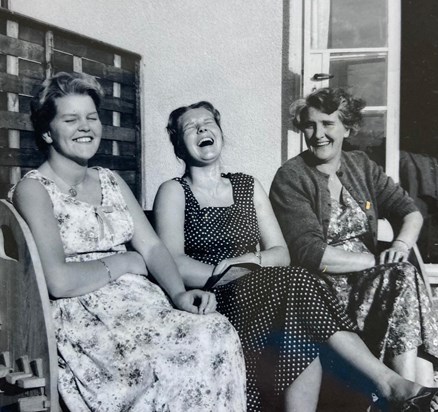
(324, 134)
(201, 136)
(75, 131)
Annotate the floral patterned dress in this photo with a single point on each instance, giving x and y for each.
(389, 302)
(124, 347)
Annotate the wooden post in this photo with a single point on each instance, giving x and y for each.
(13, 103)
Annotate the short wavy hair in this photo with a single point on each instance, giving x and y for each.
(174, 130)
(328, 100)
(43, 107)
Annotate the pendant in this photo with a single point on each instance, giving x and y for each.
(73, 192)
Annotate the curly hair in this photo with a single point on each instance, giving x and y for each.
(43, 108)
(173, 126)
(328, 100)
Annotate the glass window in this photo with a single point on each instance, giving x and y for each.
(339, 24)
(361, 74)
(371, 137)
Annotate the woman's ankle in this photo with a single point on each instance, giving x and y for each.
(399, 389)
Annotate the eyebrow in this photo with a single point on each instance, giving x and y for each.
(76, 114)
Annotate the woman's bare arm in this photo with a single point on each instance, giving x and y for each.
(65, 279)
(169, 207)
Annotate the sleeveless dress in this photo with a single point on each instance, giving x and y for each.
(282, 314)
(389, 302)
(124, 347)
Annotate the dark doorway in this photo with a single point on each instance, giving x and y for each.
(419, 77)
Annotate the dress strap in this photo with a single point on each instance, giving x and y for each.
(243, 187)
(191, 201)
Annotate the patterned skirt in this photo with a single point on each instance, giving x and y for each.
(282, 315)
(125, 348)
(390, 306)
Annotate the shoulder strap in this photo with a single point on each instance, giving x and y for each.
(243, 187)
(191, 201)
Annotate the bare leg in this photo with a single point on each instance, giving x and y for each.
(303, 394)
(390, 385)
(425, 373)
(405, 364)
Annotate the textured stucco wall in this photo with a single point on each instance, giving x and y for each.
(228, 52)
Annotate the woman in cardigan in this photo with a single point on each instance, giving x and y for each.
(328, 202)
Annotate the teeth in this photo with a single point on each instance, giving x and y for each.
(83, 139)
(205, 140)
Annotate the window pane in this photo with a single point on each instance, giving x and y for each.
(371, 137)
(361, 74)
(349, 23)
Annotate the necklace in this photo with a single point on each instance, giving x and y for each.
(72, 191)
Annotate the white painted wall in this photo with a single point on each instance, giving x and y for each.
(226, 51)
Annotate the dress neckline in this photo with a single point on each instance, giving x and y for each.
(77, 201)
(226, 175)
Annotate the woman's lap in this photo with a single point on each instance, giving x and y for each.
(125, 346)
(282, 315)
(390, 306)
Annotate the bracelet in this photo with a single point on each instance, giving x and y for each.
(402, 241)
(324, 269)
(258, 255)
(108, 270)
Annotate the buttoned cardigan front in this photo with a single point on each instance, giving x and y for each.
(301, 201)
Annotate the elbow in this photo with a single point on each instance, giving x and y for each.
(57, 286)
(56, 291)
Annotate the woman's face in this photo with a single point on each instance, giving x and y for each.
(324, 134)
(201, 135)
(75, 131)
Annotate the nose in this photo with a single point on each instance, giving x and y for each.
(84, 125)
(202, 129)
(319, 131)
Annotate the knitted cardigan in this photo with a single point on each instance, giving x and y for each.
(301, 201)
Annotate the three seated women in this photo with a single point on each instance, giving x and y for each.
(121, 343)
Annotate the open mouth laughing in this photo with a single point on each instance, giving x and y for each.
(206, 141)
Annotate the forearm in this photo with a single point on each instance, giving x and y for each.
(194, 273)
(337, 260)
(275, 256)
(79, 278)
(162, 266)
(410, 229)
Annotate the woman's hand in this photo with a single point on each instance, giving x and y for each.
(223, 265)
(398, 252)
(232, 274)
(195, 301)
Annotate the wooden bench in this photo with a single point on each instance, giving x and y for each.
(28, 356)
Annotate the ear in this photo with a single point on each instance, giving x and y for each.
(47, 137)
(347, 133)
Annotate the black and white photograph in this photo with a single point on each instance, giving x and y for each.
(219, 206)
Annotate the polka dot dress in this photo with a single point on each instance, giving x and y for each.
(282, 314)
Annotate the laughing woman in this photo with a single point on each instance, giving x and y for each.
(222, 233)
(122, 345)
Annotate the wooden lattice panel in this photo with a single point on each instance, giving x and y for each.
(30, 51)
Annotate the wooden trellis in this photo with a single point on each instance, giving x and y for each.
(29, 52)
